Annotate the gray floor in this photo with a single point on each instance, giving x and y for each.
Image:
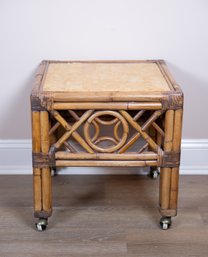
(103, 216)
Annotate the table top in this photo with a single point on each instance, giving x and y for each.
(99, 77)
(104, 81)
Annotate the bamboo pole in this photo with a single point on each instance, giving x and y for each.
(165, 178)
(47, 189)
(37, 191)
(38, 77)
(107, 156)
(159, 139)
(165, 184)
(46, 174)
(74, 115)
(166, 74)
(174, 188)
(152, 133)
(169, 126)
(152, 118)
(54, 128)
(130, 142)
(177, 130)
(110, 105)
(159, 130)
(103, 163)
(36, 131)
(53, 132)
(109, 97)
(144, 106)
(44, 121)
(69, 147)
(145, 146)
(138, 115)
(176, 148)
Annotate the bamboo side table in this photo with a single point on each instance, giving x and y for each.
(106, 113)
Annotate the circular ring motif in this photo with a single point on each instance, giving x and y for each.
(106, 122)
(117, 141)
(97, 130)
(116, 131)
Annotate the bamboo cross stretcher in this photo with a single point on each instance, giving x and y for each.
(106, 113)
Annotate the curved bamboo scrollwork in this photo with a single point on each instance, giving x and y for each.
(117, 141)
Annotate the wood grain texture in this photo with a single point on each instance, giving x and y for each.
(99, 216)
(98, 77)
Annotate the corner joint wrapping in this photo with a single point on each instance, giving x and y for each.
(36, 104)
(40, 160)
(170, 160)
(173, 101)
(41, 103)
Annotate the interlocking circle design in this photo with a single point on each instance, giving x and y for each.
(116, 140)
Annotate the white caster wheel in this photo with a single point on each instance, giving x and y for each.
(165, 223)
(53, 172)
(42, 224)
(154, 173)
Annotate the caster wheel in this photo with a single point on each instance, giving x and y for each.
(53, 172)
(154, 173)
(165, 223)
(42, 224)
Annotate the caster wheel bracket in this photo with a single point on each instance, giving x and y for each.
(42, 224)
(154, 173)
(165, 223)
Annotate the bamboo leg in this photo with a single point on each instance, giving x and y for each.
(46, 189)
(174, 188)
(165, 173)
(37, 190)
(46, 174)
(165, 180)
(170, 176)
(176, 148)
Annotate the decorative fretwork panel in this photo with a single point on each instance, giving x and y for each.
(107, 131)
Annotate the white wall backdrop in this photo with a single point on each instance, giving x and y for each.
(174, 30)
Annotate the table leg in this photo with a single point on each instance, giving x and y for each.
(41, 174)
(169, 177)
